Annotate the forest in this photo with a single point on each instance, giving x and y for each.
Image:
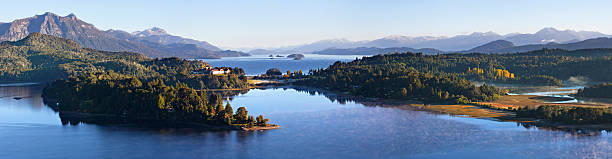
(44, 58)
(122, 83)
(568, 115)
(118, 94)
(603, 90)
(384, 81)
(447, 77)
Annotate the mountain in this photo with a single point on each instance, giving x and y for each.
(319, 45)
(150, 32)
(159, 35)
(398, 41)
(67, 27)
(374, 51)
(547, 35)
(602, 42)
(492, 46)
(40, 57)
(449, 44)
(87, 35)
(460, 42)
(44, 58)
(261, 52)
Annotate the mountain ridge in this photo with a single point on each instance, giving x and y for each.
(375, 50)
(492, 46)
(159, 35)
(456, 43)
(87, 35)
(601, 42)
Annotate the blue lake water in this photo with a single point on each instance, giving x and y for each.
(258, 64)
(313, 126)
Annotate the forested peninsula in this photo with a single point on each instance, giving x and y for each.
(448, 78)
(87, 83)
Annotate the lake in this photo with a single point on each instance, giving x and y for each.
(313, 126)
(259, 64)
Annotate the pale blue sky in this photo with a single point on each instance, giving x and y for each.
(263, 23)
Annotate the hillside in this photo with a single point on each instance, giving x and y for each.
(38, 57)
(87, 35)
(492, 46)
(42, 58)
(159, 35)
(603, 42)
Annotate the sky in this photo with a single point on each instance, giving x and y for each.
(276, 23)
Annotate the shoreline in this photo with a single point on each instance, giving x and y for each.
(473, 110)
(121, 120)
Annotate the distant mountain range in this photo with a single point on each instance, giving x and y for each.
(503, 46)
(159, 35)
(154, 42)
(492, 46)
(370, 50)
(471, 42)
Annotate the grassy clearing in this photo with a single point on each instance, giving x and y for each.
(465, 110)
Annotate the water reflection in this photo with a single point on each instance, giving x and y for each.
(372, 102)
(29, 95)
(22, 104)
(269, 102)
(313, 127)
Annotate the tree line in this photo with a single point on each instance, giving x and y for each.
(446, 77)
(119, 94)
(568, 115)
(603, 90)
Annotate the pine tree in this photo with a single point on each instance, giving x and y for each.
(229, 109)
(241, 114)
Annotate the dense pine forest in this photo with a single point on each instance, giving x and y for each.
(568, 115)
(446, 77)
(383, 81)
(124, 95)
(123, 83)
(603, 90)
(44, 58)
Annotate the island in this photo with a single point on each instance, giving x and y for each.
(296, 56)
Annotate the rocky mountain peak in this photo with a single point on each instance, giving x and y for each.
(47, 23)
(72, 16)
(49, 14)
(88, 36)
(150, 32)
(548, 30)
